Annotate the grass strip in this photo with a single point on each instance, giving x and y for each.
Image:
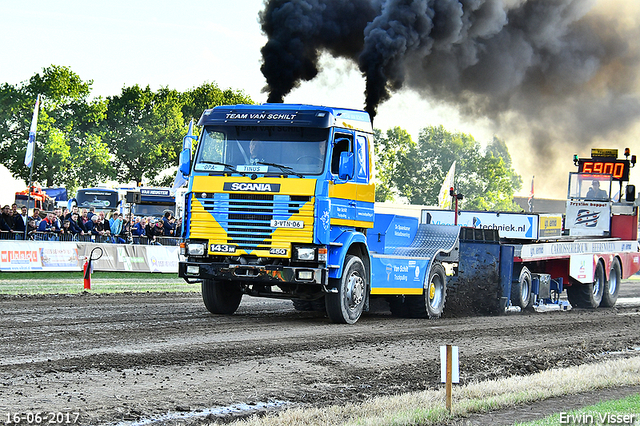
(621, 411)
(428, 407)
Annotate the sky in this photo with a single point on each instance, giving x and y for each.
(181, 45)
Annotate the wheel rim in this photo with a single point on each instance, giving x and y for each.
(613, 281)
(524, 289)
(435, 291)
(355, 291)
(598, 281)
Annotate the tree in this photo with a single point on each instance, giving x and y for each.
(144, 130)
(416, 171)
(390, 151)
(67, 128)
(209, 95)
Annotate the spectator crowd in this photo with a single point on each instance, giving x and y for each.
(87, 225)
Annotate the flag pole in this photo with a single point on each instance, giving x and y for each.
(28, 159)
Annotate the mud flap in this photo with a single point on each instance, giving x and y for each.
(482, 285)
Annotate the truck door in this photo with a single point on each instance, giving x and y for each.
(365, 190)
(352, 199)
(342, 192)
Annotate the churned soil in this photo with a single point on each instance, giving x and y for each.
(128, 357)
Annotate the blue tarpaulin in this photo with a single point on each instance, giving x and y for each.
(59, 194)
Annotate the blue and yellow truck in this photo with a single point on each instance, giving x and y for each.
(280, 204)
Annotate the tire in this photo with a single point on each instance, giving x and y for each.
(588, 296)
(221, 298)
(521, 290)
(346, 306)
(431, 303)
(612, 285)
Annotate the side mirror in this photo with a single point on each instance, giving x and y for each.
(345, 169)
(630, 194)
(185, 162)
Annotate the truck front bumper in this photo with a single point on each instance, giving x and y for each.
(266, 274)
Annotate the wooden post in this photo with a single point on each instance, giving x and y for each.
(448, 385)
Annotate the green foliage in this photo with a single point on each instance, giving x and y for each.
(67, 123)
(416, 170)
(132, 136)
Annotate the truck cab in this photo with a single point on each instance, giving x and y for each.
(279, 200)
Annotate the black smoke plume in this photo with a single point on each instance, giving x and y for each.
(553, 68)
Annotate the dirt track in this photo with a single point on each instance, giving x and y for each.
(134, 356)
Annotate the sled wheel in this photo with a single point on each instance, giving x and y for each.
(521, 290)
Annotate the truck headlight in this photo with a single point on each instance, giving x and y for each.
(306, 253)
(196, 249)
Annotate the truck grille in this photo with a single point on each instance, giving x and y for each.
(246, 218)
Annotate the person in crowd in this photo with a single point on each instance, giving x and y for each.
(84, 218)
(68, 213)
(14, 209)
(125, 234)
(5, 228)
(137, 230)
(95, 227)
(20, 221)
(104, 224)
(155, 231)
(57, 213)
(75, 224)
(149, 231)
(49, 224)
(115, 225)
(65, 231)
(7, 217)
(91, 212)
(168, 224)
(36, 216)
(31, 228)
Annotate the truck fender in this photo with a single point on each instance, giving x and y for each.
(348, 243)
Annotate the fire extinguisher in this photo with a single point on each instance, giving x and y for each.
(88, 267)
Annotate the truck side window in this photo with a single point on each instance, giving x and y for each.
(341, 144)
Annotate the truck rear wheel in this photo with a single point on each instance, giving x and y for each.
(220, 297)
(431, 303)
(612, 285)
(346, 306)
(588, 296)
(521, 290)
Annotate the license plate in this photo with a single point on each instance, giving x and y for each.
(296, 224)
(223, 248)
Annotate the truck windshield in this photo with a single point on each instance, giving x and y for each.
(155, 210)
(590, 187)
(290, 150)
(100, 199)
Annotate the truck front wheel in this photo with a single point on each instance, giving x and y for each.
(346, 305)
(221, 297)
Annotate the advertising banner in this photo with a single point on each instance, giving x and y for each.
(509, 225)
(38, 256)
(588, 218)
(70, 256)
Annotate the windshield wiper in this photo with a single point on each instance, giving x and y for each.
(226, 166)
(285, 169)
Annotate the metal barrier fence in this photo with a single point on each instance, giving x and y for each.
(56, 236)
